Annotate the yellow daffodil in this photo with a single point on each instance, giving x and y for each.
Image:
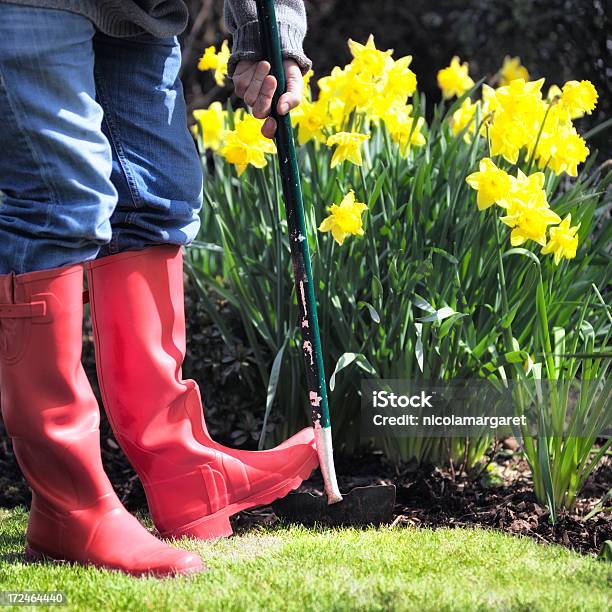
(521, 96)
(454, 80)
(512, 69)
(212, 125)
(368, 59)
(404, 129)
(547, 141)
(246, 145)
(505, 140)
(307, 78)
(491, 183)
(344, 219)
(370, 85)
(336, 112)
(348, 147)
(208, 61)
(311, 119)
(530, 223)
(307, 91)
(563, 241)
(379, 107)
(523, 189)
(489, 98)
(567, 150)
(333, 84)
(222, 60)
(211, 60)
(358, 91)
(332, 92)
(578, 98)
(401, 82)
(462, 117)
(529, 214)
(517, 115)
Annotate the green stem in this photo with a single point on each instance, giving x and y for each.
(502, 285)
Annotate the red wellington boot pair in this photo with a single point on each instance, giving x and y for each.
(193, 485)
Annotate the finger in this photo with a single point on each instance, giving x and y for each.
(263, 104)
(295, 84)
(261, 71)
(287, 102)
(241, 83)
(243, 76)
(268, 129)
(242, 66)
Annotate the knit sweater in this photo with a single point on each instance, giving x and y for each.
(164, 18)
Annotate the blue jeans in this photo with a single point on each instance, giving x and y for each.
(95, 153)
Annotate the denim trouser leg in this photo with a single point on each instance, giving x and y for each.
(95, 154)
(156, 168)
(55, 162)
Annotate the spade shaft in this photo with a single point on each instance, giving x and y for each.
(300, 254)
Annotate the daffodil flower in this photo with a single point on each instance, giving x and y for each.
(344, 219)
(454, 80)
(491, 183)
(563, 150)
(211, 60)
(529, 213)
(311, 119)
(563, 241)
(404, 129)
(368, 59)
(579, 98)
(462, 117)
(401, 82)
(348, 147)
(212, 125)
(518, 113)
(511, 70)
(208, 61)
(246, 145)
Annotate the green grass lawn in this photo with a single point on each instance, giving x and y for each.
(301, 569)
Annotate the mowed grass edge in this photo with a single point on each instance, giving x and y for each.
(304, 569)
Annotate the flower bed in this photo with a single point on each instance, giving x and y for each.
(471, 245)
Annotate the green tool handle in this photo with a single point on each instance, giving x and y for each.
(294, 207)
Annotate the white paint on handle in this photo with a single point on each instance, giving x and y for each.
(325, 451)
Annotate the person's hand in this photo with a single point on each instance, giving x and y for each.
(256, 86)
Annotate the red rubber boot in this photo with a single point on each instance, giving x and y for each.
(52, 416)
(193, 485)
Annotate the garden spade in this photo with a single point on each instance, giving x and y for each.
(362, 505)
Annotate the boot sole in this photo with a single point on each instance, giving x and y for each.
(35, 556)
(217, 525)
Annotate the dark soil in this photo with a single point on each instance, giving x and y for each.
(502, 499)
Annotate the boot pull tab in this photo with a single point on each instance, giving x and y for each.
(23, 311)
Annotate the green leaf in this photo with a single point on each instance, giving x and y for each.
(377, 292)
(377, 189)
(422, 303)
(375, 316)
(440, 315)
(524, 253)
(605, 553)
(347, 359)
(272, 386)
